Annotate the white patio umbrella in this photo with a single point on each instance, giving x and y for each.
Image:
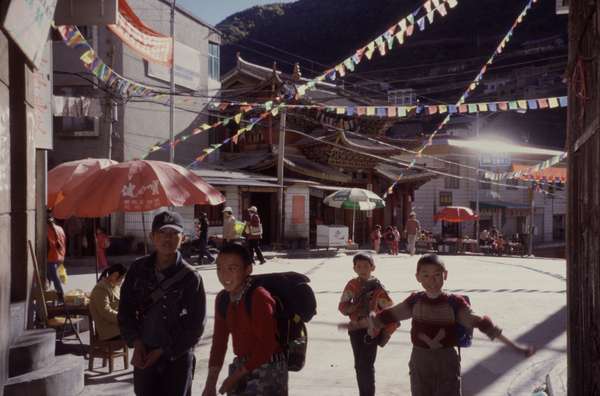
(354, 198)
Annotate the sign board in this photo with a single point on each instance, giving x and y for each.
(40, 115)
(562, 7)
(332, 236)
(188, 66)
(28, 22)
(86, 12)
(298, 209)
(495, 160)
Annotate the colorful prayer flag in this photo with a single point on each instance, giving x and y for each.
(553, 102)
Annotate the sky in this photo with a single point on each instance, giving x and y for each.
(214, 11)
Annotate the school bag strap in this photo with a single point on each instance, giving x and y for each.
(165, 286)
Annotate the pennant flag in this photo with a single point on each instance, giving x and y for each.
(381, 111)
(226, 121)
(401, 111)
(361, 111)
(340, 110)
(410, 19)
(443, 109)
(421, 23)
(430, 16)
(400, 37)
(391, 111)
(442, 10)
(503, 106)
(370, 110)
(87, 57)
(432, 109)
(482, 107)
(522, 104)
(427, 6)
(359, 54)
(370, 49)
(452, 3)
(463, 108)
(493, 107)
(341, 69)
(452, 109)
(563, 101)
(275, 112)
(350, 110)
(513, 105)
(543, 103)
(269, 105)
(532, 104)
(410, 29)
(553, 102)
(349, 63)
(472, 108)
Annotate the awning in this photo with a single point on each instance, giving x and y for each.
(217, 177)
(549, 175)
(499, 205)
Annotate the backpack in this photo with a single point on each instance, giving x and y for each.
(295, 306)
(464, 335)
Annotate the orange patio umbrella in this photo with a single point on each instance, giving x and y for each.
(67, 176)
(136, 186)
(455, 214)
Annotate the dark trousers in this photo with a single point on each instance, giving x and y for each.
(254, 246)
(435, 372)
(52, 275)
(203, 248)
(364, 361)
(166, 378)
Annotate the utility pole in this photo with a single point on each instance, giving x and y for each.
(532, 219)
(477, 177)
(280, 157)
(172, 87)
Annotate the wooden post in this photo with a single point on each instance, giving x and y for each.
(583, 213)
(280, 169)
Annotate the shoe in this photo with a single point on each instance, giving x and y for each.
(262, 262)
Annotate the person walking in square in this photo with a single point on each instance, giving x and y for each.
(412, 230)
(56, 255)
(254, 232)
(361, 296)
(376, 238)
(229, 234)
(203, 238)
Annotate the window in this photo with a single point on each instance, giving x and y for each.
(75, 127)
(558, 227)
(445, 198)
(214, 60)
(452, 182)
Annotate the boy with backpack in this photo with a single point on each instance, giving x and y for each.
(441, 324)
(265, 316)
(362, 295)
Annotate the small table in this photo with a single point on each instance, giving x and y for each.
(68, 311)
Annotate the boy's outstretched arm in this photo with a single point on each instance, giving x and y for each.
(526, 350)
(467, 318)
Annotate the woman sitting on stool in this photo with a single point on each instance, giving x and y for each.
(104, 302)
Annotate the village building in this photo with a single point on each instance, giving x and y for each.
(324, 152)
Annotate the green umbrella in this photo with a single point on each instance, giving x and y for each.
(355, 199)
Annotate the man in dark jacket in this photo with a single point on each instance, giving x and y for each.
(162, 313)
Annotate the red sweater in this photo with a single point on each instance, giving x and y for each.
(254, 335)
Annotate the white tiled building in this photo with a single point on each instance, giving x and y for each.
(505, 207)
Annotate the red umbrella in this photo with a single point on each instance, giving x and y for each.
(136, 186)
(455, 214)
(67, 176)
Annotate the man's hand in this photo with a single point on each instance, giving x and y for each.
(152, 357)
(139, 354)
(231, 382)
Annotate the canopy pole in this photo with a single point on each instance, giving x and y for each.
(96, 247)
(144, 232)
(353, 220)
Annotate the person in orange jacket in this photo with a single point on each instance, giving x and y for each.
(56, 255)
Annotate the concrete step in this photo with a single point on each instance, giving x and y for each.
(63, 377)
(32, 350)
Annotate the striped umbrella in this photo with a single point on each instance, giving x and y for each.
(355, 199)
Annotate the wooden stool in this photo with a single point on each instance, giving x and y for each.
(106, 350)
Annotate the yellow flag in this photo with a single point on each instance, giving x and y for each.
(370, 110)
(522, 104)
(237, 118)
(443, 109)
(87, 57)
(553, 102)
(205, 127)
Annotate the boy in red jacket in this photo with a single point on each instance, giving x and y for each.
(362, 295)
(260, 366)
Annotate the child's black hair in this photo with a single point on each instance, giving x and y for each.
(363, 256)
(120, 268)
(238, 250)
(431, 259)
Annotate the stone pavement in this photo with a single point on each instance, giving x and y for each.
(526, 297)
